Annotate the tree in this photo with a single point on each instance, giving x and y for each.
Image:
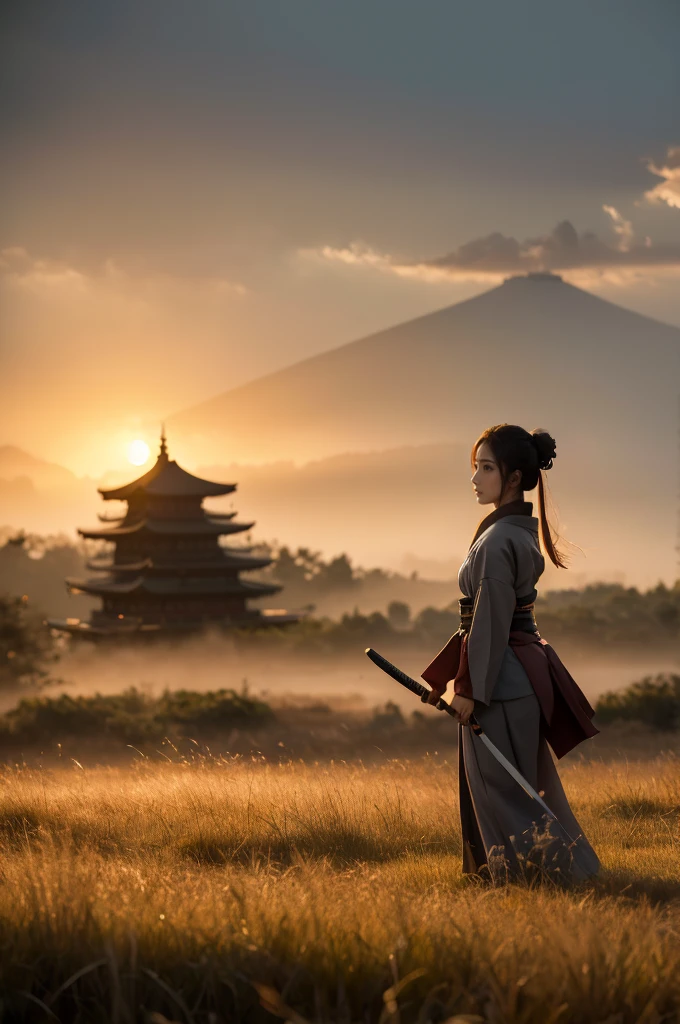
(26, 647)
(436, 624)
(338, 572)
(399, 615)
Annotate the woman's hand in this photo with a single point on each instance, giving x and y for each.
(463, 708)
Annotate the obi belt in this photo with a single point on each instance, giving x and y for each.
(522, 617)
(565, 712)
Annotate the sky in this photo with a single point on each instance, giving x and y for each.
(197, 194)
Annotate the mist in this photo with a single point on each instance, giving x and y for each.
(346, 680)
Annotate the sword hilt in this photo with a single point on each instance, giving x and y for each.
(411, 684)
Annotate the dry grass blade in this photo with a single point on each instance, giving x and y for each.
(75, 977)
(391, 1011)
(272, 1002)
(175, 996)
(39, 1002)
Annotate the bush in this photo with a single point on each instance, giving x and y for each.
(654, 700)
(26, 648)
(131, 716)
(387, 718)
(399, 615)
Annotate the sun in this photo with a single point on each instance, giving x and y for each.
(138, 453)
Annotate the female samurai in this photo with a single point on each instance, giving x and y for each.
(513, 682)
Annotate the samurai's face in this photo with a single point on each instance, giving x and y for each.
(487, 481)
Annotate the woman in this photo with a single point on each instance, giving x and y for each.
(519, 691)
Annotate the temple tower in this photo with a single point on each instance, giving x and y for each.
(168, 571)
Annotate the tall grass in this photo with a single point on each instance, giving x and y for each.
(230, 889)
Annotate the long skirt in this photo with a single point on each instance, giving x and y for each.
(506, 833)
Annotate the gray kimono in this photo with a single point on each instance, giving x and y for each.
(503, 830)
(503, 564)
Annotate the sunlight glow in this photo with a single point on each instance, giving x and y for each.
(138, 453)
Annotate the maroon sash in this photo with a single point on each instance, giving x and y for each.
(565, 711)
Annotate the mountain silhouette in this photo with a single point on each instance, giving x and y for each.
(18, 466)
(535, 350)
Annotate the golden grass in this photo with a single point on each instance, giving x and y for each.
(206, 892)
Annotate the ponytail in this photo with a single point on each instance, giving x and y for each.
(553, 553)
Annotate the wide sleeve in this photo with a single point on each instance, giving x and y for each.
(495, 600)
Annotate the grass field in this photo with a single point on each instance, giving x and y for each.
(234, 889)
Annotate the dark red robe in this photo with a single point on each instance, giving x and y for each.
(565, 710)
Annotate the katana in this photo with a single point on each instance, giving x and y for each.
(421, 691)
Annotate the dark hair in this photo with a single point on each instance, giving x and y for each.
(515, 448)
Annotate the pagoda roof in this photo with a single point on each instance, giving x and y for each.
(197, 527)
(174, 586)
(225, 559)
(167, 480)
(113, 626)
(108, 565)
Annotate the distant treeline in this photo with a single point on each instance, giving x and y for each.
(597, 614)
(602, 613)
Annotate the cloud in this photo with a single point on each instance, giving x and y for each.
(359, 254)
(622, 227)
(22, 271)
(584, 256)
(668, 190)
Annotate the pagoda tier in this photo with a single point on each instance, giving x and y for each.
(172, 586)
(168, 570)
(197, 526)
(226, 559)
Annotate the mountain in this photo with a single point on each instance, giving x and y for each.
(535, 351)
(39, 496)
(24, 470)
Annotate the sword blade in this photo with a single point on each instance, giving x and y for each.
(511, 770)
(415, 687)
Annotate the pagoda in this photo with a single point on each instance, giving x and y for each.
(168, 571)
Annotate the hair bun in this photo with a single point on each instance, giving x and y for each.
(545, 447)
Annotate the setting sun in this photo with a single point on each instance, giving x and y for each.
(138, 453)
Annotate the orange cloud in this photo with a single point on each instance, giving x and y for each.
(668, 190)
(496, 255)
(622, 227)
